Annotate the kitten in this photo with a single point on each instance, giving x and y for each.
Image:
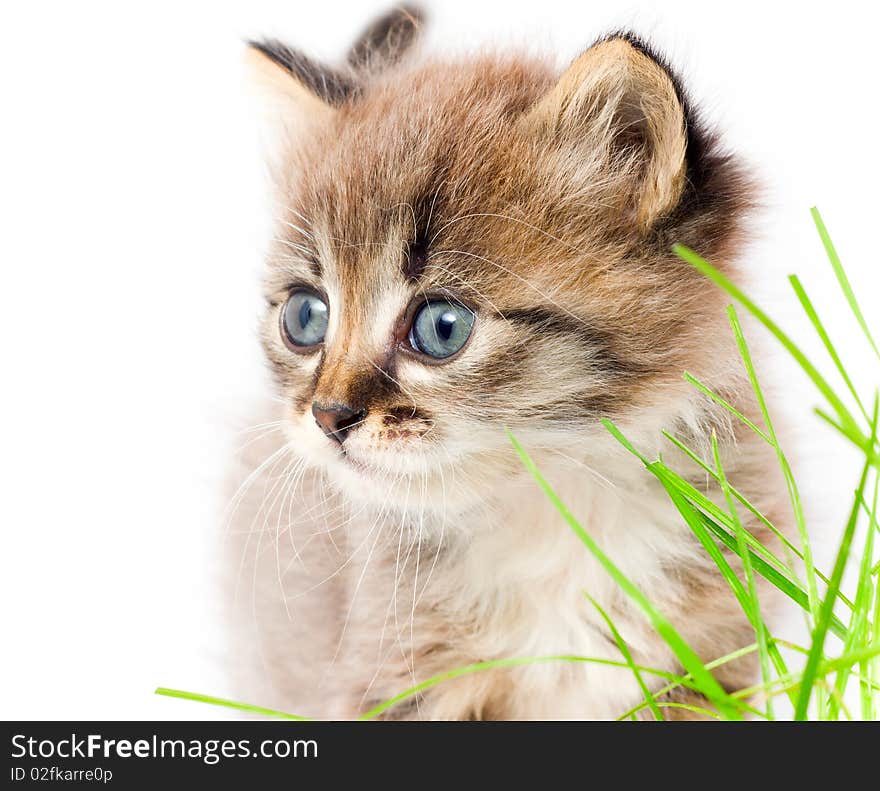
(467, 247)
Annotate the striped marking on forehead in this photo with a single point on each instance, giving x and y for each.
(424, 213)
(367, 294)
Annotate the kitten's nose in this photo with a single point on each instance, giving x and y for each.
(336, 420)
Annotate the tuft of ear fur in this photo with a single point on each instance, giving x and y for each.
(384, 42)
(619, 100)
(331, 85)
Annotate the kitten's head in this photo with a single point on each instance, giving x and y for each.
(472, 246)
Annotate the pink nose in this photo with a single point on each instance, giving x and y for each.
(336, 420)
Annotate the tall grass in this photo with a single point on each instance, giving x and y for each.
(818, 687)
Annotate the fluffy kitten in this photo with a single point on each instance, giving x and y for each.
(465, 247)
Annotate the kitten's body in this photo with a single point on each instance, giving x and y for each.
(421, 545)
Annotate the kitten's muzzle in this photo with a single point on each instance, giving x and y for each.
(336, 419)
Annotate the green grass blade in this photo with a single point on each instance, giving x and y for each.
(672, 482)
(229, 704)
(721, 280)
(786, 586)
(749, 506)
(480, 667)
(874, 664)
(789, 546)
(693, 518)
(729, 407)
(821, 630)
(673, 678)
(865, 593)
(627, 656)
(813, 316)
(784, 684)
(859, 633)
(686, 680)
(855, 437)
(754, 609)
(826, 666)
(791, 485)
(685, 654)
(691, 708)
(839, 271)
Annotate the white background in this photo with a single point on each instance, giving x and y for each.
(132, 222)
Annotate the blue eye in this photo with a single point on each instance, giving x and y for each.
(304, 319)
(440, 328)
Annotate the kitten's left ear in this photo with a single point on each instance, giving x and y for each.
(618, 108)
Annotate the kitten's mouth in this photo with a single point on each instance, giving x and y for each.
(374, 468)
(359, 463)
